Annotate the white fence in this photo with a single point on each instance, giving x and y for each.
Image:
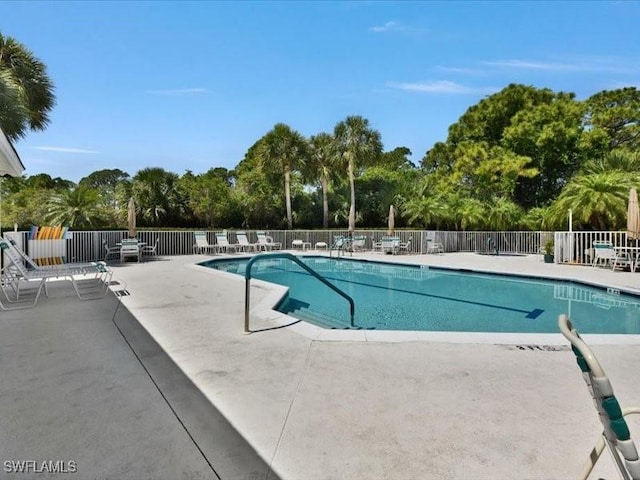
(82, 246)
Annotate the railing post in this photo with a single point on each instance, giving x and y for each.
(247, 302)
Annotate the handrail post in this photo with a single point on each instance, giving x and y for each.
(247, 301)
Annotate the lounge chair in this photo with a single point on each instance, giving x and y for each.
(16, 276)
(222, 243)
(265, 242)
(244, 244)
(130, 249)
(202, 245)
(616, 436)
(151, 249)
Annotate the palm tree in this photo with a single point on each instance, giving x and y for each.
(154, 191)
(472, 213)
(286, 149)
(504, 214)
(621, 160)
(598, 200)
(357, 144)
(320, 167)
(75, 208)
(26, 91)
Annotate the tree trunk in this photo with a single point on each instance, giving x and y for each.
(325, 202)
(352, 209)
(287, 194)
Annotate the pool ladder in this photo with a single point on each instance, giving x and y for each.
(293, 258)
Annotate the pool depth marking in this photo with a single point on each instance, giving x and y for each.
(535, 313)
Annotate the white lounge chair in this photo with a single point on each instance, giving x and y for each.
(202, 245)
(616, 435)
(222, 243)
(16, 276)
(265, 242)
(244, 244)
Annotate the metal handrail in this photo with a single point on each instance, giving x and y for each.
(293, 258)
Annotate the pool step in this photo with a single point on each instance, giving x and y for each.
(319, 319)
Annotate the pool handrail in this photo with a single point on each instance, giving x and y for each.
(293, 258)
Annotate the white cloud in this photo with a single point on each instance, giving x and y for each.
(534, 65)
(65, 149)
(609, 65)
(385, 28)
(179, 91)
(460, 70)
(440, 86)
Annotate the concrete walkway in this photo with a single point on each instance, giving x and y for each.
(324, 408)
(86, 381)
(88, 392)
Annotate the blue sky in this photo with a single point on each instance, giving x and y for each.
(191, 86)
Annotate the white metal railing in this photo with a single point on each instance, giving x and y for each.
(575, 247)
(84, 246)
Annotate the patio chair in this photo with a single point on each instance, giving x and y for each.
(130, 249)
(222, 243)
(115, 250)
(405, 247)
(358, 244)
(265, 242)
(202, 245)
(390, 245)
(340, 242)
(150, 249)
(603, 252)
(244, 244)
(616, 436)
(16, 276)
(434, 247)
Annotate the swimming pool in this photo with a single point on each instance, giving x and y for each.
(407, 297)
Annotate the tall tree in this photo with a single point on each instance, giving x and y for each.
(286, 150)
(26, 91)
(320, 167)
(154, 191)
(105, 182)
(613, 120)
(358, 145)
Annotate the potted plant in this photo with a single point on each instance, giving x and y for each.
(548, 251)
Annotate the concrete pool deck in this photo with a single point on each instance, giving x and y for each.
(297, 406)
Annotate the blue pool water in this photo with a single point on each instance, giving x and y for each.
(404, 297)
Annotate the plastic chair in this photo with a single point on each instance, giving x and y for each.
(110, 250)
(151, 249)
(616, 436)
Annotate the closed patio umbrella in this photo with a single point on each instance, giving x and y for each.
(391, 220)
(131, 218)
